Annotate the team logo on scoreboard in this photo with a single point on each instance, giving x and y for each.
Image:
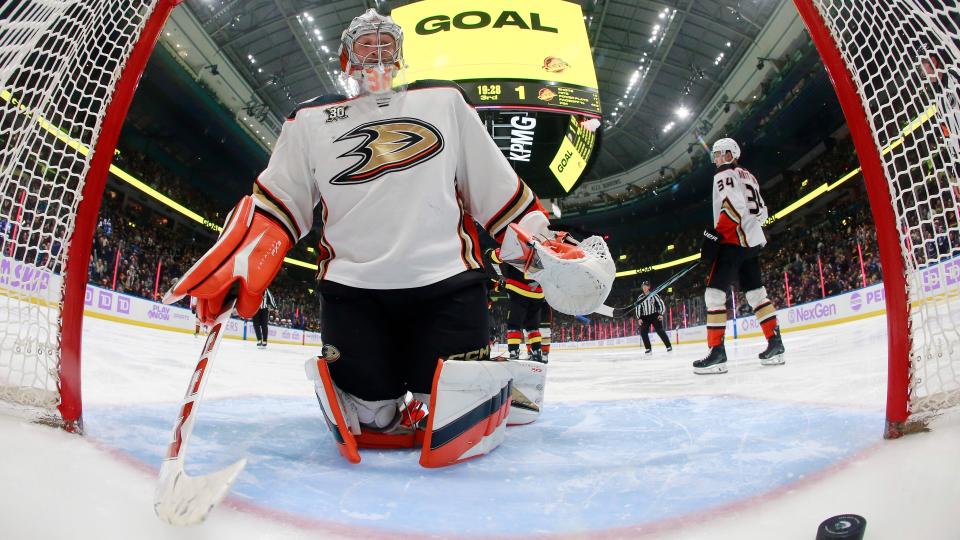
(337, 112)
(546, 94)
(395, 144)
(554, 64)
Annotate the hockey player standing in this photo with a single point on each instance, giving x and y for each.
(398, 174)
(527, 308)
(731, 250)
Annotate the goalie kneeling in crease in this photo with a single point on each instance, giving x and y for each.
(398, 175)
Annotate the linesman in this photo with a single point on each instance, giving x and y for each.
(650, 312)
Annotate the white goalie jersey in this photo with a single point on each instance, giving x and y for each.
(397, 185)
(738, 209)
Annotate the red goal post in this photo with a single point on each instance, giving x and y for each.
(68, 72)
(893, 65)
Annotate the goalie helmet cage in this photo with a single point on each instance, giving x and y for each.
(894, 67)
(68, 71)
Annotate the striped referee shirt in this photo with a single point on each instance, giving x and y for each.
(653, 305)
(268, 301)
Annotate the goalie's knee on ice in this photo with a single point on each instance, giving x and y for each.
(469, 405)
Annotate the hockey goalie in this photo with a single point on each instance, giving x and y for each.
(398, 173)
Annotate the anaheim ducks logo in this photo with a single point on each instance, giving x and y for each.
(386, 146)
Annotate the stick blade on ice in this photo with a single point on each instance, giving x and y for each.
(182, 499)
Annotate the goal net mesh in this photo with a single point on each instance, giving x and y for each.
(903, 57)
(59, 63)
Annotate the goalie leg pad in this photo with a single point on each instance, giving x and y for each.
(339, 419)
(469, 405)
(526, 397)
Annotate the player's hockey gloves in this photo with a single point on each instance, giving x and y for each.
(246, 257)
(710, 246)
(491, 264)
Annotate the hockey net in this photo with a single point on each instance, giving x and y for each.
(60, 64)
(903, 60)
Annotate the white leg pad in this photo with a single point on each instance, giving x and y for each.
(469, 404)
(344, 402)
(526, 399)
(341, 421)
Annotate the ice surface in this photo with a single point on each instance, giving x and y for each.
(627, 446)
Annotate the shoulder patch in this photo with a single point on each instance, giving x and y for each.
(318, 101)
(438, 83)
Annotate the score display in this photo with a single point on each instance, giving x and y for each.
(528, 69)
(533, 94)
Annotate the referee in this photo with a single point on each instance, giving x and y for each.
(260, 318)
(650, 311)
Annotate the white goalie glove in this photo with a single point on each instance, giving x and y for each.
(576, 277)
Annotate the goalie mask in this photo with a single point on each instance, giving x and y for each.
(371, 53)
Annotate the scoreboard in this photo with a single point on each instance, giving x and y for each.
(528, 69)
(533, 95)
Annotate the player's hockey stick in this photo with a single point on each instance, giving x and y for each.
(610, 311)
(181, 499)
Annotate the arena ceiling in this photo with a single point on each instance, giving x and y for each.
(658, 62)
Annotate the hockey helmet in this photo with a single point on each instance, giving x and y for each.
(723, 146)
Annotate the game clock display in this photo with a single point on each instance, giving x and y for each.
(533, 94)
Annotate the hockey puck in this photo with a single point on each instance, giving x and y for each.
(844, 526)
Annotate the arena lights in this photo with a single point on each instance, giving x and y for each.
(799, 203)
(83, 150)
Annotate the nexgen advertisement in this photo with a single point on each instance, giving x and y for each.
(497, 40)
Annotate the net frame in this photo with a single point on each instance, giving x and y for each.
(92, 116)
(872, 51)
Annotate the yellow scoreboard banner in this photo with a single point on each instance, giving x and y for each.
(573, 155)
(491, 42)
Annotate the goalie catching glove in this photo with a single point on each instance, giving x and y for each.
(248, 253)
(576, 277)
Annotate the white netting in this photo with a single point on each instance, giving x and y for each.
(576, 286)
(904, 56)
(59, 63)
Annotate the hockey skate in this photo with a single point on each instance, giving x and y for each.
(714, 363)
(536, 356)
(514, 354)
(773, 356)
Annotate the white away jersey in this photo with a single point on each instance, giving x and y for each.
(397, 186)
(738, 208)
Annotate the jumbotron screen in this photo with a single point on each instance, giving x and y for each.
(528, 63)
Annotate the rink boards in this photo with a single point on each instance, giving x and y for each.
(37, 286)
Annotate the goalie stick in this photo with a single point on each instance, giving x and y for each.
(181, 499)
(610, 311)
